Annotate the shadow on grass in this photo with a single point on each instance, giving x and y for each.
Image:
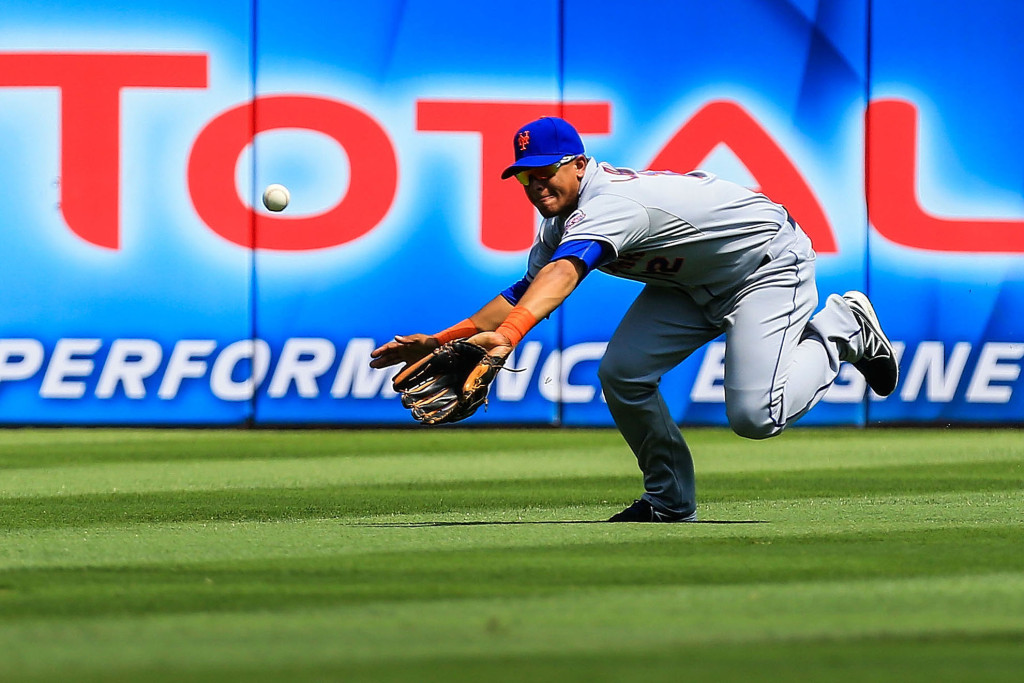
(413, 525)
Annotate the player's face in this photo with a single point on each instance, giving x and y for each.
(555, 189)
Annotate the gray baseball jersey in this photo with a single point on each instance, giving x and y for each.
(749, 272)
(693, 231)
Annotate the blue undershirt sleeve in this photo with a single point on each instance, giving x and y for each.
(591, 252)
(515, 292)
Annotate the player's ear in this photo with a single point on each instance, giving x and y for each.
(580, 163)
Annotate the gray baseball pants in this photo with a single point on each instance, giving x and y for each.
(779, 361)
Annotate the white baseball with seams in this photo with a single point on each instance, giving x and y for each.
(276, 197)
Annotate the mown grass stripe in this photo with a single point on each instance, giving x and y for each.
(215, 499)
(608, 621)
(714, 448)
(749, 522)
(283, 583)
(382, 470)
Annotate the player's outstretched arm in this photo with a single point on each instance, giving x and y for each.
(451, 383)
(406, 348)
(553, 285)
(409, 348)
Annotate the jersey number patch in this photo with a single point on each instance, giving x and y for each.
(661, 264)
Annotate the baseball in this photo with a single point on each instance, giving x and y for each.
(276, 197)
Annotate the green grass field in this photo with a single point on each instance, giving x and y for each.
(451, 555)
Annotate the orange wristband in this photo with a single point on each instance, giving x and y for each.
(518, 322)
(459, 330)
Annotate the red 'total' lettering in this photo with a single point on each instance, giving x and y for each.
(373, 177)
(90, 86)
(893, 205)
(507, 219)
(725, 122)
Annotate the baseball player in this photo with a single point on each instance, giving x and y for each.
(715, 258)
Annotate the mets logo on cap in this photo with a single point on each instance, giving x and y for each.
(543, 142)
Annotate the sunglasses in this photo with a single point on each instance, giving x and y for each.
(544, 172)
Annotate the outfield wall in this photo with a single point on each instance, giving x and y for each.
(141, 287)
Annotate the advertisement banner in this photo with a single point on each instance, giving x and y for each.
(120, 301)
(945, 188)
(147, 284)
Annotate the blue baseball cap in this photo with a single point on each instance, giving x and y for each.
(542, 143)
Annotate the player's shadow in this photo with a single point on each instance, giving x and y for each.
(414, 525)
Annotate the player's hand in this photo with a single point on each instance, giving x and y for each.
(496, 344)
(407, 349)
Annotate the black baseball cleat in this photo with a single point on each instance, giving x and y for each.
(878, 364)
(642, 511)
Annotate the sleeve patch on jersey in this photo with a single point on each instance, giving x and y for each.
(575, 218)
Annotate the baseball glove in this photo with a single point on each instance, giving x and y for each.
(449, 384)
